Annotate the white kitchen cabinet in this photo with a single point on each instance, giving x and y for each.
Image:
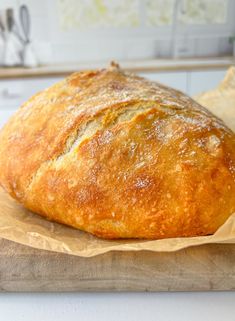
(189, 82)
(200, 81)
(150, 306)
(14, 92)
(177, 80)
(5, 113)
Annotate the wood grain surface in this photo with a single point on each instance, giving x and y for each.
(208, 267)
(154, 65)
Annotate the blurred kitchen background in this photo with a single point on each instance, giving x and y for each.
(186, 44)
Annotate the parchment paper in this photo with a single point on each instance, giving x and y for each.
(22, 226)
(221, 100)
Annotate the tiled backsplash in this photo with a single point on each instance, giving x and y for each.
(72, 30)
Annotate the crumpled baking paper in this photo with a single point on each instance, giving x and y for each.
(22, 226)
(221, 100)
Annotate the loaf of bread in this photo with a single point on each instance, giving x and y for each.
(119, 156)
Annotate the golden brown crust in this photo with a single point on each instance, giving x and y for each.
(120, 157)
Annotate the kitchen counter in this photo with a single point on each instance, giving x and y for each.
(157, 65)
(118, 306)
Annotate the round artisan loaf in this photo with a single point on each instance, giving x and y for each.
(120, 157)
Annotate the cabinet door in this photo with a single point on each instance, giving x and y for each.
(5, 113)
(14, 92)
(200, 81)
(177, 80)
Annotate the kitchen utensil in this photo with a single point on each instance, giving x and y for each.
(2, 29)
(29, 59)
(9, 15)
(12, 26)
(25, 22)
(2, 40)
(14, 42)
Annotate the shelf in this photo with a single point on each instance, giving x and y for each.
(157, 65)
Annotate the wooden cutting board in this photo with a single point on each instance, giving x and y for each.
(208, 267)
